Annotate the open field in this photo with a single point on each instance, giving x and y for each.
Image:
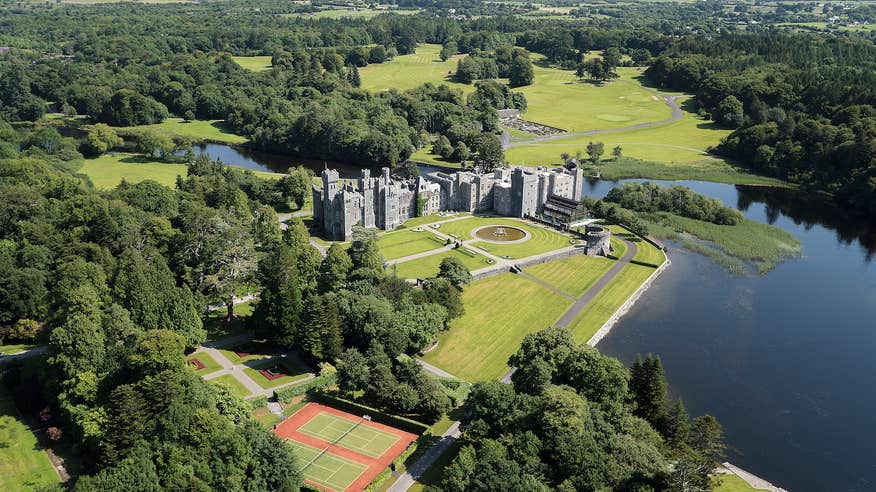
(428, 266)
(705, 169)
(24, 465)
(292, 373)
(209, 363)
(585, 105)
(541, 241)
(573, 275)
(340, 451)
(608, 300)
(407, 242)
(409, 71)
(229, 381)
(214, 130)
(253, 63)
(108, 170)
(477, 346)
(425, 155)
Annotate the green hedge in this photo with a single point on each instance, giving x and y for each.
(258, 402)
(319, 382)
(379, 416)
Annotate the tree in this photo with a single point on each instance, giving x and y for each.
(364, 254)
(595, 151)
(467, 70)
(730, 112)
(130, 108)
(277, 313)
(377, 54)
(353, 371)
(441, 291)
(102, 138)
(521, 73)
(616, 152)
(489, 153)
(353, 76)
(453, 270)
(461, 152)
(449, 49)
(334, 269)
(648, 388)
(442, 147)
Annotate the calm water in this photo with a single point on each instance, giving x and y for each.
(785, 361)
(266, 161)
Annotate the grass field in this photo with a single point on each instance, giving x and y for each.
(430, 219)
(608, 300)
(253, 63)
(499, 312)
(108, 170)
(360, 438)
(229, 381)
(645, 251)
(214, 130)
(425, 155)
(409, 71)
(705, 169)
(328, 470)
(402, 243)
(24, 465)
(542, 239)
(292, 370)
(573, 275)
(730, 483)
(428, 266)
(210, 364)
(14, 348)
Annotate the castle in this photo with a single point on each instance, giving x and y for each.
(547, 194)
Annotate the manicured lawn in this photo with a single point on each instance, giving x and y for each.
(108, 170)
(253, 63)
(266, 418)
(585, 105)
(24, 465)
(730, 483)
(618, 248)
(256, 350)
(14, 348)
(428, 266)
(198, 129)
(229, 381)
(292, 370)
(409, 71)
(645, 251)
(402, 243)
(499, 312)
(541, 241)
(210, 364)
(431, 219)
(608, 300)
(573, 275)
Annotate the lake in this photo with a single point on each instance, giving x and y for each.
(785, 361)
(273, 163)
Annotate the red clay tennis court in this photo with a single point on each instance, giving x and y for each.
(339, 451)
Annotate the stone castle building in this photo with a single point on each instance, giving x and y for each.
(387, 203)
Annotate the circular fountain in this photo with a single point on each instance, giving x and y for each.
(501, 234)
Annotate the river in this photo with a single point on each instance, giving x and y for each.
(785, 361)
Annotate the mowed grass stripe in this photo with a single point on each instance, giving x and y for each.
(499, 312)
(428, 266)
(362, 439)
(608, 300)
(574, 275)
(328, 470)
(405, 243)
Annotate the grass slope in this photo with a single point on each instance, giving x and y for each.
(253, 63)
(573, 275)
(499, 312)
(730, 483)
(608, 300)
(645, 251)
(24, 465)
(428, 266)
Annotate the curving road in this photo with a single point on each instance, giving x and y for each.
(668, 100)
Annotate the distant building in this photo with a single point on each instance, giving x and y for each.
(386, 203)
